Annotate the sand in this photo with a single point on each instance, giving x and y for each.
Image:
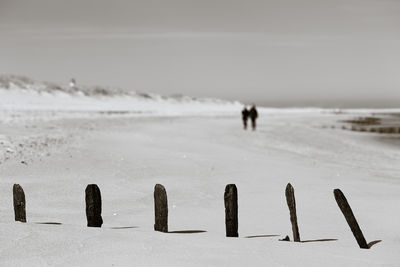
(53, 156)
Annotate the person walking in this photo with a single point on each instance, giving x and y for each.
(253, 116)
(245, 117)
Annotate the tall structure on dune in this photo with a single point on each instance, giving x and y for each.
(72, 83)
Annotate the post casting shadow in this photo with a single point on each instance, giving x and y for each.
(256, 236)
(370, 244)
(123, 227)
(52, 223)
(319, 240)
(187, 232)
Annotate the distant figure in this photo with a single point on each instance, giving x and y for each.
(253, 116)
(245, 117)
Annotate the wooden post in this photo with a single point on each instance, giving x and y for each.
(19, 203)
(351, 220)
(160, 209)
(93, 206)
(291, 202)
(231, 210)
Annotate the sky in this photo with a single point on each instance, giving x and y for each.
(278, 53)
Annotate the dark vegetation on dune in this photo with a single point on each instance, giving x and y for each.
(11, 82)
(22, 82)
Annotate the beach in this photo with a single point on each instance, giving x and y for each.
(195, 157)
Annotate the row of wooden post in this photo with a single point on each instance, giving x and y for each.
(94, 219)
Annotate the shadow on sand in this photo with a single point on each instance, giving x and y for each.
(51, 223)
(257, 236)
(123, 227)
(370, 244)
(319, 240)
(187, 232)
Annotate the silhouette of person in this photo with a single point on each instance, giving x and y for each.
(253, 116)
(245, 117)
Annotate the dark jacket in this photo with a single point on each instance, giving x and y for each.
(253, 113)
(245, 114)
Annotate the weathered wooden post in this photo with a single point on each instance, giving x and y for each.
(351, 220)
(160, 209)
(19, 203)
(231, 210)
(93, 206)
(291, 202)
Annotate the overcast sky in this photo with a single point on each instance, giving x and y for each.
(289, 52)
